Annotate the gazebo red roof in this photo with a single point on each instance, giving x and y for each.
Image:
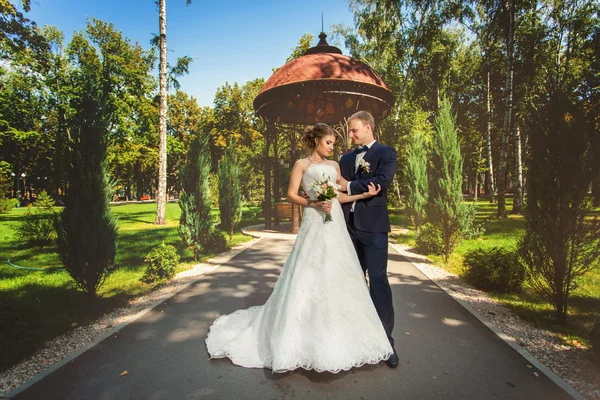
(323, 66)
(323, 85)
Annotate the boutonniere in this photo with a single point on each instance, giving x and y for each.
(364, 166)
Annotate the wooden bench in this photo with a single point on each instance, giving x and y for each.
(283, 210)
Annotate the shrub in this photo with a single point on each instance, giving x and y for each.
(494, 269)
(252, 216)
(429, 240)
(215, 242)
(39, 227)
(472, 229)
(7, 204)
(162, 261)
(45, 202)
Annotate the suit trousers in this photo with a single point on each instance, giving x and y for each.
(372, 251)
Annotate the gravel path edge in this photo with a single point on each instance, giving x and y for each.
(425, 267)
(20, 377)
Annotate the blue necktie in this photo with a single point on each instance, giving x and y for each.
(359, 150)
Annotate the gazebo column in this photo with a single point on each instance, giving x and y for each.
(295, 207)
(267, 174)
(276, 176)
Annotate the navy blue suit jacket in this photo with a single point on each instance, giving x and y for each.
(370, 215)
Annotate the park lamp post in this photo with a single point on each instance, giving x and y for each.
(18, 187)
(15, 178)
(18, 191)
(41, 181)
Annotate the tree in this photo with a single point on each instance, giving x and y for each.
(518, 173)
(230, 196)
(161, 197)
(300, 49)
(195, 223)
(17, 33)
(87, 232)
(415, 173)
(445, 209)
(233, 117)
(508, 107)
(561, 243)
(181, 67)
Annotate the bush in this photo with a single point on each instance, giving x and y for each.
(472, 229)
(162, 261)
(215, 242)
(45, 202)
(39, 227)
(252, 216)
(7, 205)
(494, 269)
(429, 240)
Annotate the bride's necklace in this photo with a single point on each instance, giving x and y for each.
(317, 163)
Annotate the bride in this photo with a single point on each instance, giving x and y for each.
(320, 315)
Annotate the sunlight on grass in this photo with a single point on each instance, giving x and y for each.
(38, 305)
(584, 306)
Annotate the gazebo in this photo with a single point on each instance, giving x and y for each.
(321, 86)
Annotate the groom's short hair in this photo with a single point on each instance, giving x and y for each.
(365, 117)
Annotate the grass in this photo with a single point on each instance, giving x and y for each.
(584, 306)
(36, 306)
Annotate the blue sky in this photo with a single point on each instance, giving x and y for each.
(230, 40)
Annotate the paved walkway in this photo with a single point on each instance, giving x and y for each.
(444, 351)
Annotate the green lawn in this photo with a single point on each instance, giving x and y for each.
(584, 308)
(38, 305)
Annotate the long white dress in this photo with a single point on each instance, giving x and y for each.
(320, 315)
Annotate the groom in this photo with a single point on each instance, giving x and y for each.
(367, 220)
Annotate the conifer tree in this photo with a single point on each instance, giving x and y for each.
(445, 209)
(415, 175)
(195, 223)
(87, 230)
(230, 195)
(561, 242)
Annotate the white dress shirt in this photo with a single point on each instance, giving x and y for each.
(359, 157)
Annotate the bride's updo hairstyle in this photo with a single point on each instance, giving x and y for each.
(313, 134)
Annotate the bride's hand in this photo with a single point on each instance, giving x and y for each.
(373, 191)
(324, 206)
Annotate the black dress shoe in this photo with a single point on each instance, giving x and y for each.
(392, 362)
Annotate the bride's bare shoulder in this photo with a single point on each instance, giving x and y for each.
(302, 163)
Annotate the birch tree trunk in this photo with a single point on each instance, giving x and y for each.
(518, 175)
(490, 165)
(524, 156)
(161, 197)
(477, 171)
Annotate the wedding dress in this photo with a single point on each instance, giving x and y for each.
(320, 315)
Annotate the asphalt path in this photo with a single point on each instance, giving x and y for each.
(445, 352)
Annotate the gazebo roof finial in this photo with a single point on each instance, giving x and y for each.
(323, 46)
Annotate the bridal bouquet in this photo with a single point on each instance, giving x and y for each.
(326, 190)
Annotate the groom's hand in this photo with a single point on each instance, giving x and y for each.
(343, 183)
